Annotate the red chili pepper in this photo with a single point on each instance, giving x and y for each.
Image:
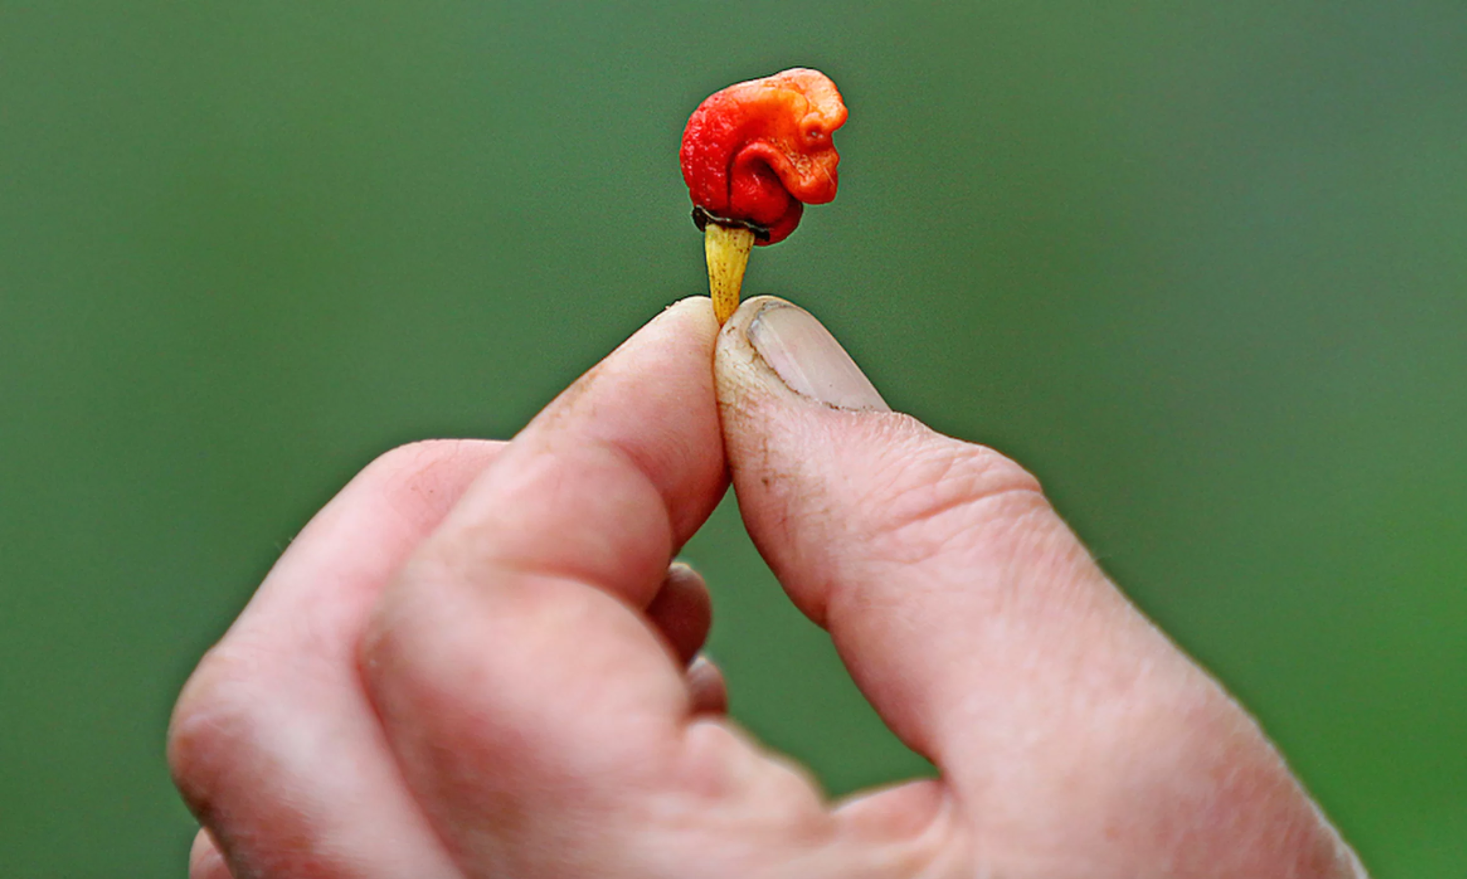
(757, 152)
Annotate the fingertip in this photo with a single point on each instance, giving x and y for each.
(740, 319)
(205, 861)
(738, 369)
(777, 346)
(706, 687)
(691, 318)
(652, 400)
(682, 611)
(699, 307)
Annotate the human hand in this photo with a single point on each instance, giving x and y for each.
(474, 662)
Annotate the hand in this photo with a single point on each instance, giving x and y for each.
(475, 661)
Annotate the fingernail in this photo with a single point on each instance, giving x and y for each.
(809, 360)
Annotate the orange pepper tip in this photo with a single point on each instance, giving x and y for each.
(754, 154)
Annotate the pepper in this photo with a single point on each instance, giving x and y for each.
(753, 155)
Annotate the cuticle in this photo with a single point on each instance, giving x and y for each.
(766, 307)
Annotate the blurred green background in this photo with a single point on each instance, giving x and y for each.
(1201, 266)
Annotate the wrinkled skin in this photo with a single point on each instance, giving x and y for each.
(759, 151)
(476, 662)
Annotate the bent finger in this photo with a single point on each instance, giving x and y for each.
(205, 860)
(512, 661)
(535, 709)
(273, 742)
(682, 611)
(706, 687)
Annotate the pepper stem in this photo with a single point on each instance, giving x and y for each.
(727, 249)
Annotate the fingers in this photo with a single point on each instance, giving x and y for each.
(204, 859)
(1075, 736)
(273, 742)
(512, 661)
(706, 689)
(546, 724)
(682, 611)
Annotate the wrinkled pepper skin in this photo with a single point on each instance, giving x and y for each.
(759, 151)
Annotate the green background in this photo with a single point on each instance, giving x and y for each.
(1201, 266)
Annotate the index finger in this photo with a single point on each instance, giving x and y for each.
(514, 671)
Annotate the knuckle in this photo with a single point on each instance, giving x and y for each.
(413, 478)
(214, 725)
(413, 456)
(934, 493)
(408, 467)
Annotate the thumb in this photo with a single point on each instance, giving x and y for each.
(1074, 737)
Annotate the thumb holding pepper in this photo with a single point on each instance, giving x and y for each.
(1073, 738)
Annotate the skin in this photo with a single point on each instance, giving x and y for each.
(476, 661)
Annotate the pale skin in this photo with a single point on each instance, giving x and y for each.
(477, 662)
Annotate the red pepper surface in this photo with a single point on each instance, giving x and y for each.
(757, 152)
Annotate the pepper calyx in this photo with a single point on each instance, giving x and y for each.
(702, 217)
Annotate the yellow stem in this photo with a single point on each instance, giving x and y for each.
(727, 249)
